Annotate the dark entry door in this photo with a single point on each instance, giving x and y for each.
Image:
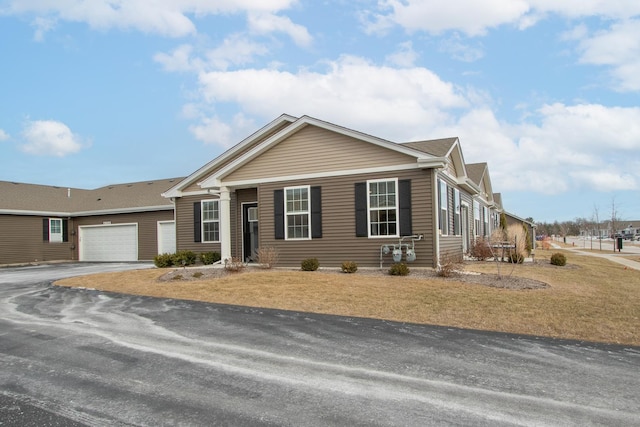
(250, 231)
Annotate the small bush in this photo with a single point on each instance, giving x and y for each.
(208, 258)
(197, 274)
(234, 264)
(449, 265)
(349, 267)
(480, 250)
(310, 264)
(163, 260)
(558, 259)
(516, 258)
(268, 256)
(182, 258)
(177, 277)
(399, 269)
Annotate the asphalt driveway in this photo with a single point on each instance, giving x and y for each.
(87, 357)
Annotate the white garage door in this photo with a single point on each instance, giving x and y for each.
(112, 242)
(166, 237)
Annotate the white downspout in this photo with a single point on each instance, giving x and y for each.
(436, 215)
(225, 224)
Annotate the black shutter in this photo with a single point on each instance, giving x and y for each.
(404, 190)
(278, 213)
(65, 230)
(361, 209)
(316, 212)
(197, 222)
(45, 229)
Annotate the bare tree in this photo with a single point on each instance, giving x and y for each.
(614, 221)
(596, 220)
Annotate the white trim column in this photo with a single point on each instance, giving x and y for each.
(225, 224)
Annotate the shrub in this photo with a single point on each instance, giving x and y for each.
(268, 256)
(163, 260)
(449, 265)
(233, 264)
(184, 258)
(208, 258)
(197, 274)
(480, 250)
(349, 267)
(516, 258)
(310, 264)
(399, 269)
(558, 259)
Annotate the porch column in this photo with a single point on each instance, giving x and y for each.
(225, 224)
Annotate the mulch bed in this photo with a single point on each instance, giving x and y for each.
(484, 279)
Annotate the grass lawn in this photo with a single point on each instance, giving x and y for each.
(590, 299)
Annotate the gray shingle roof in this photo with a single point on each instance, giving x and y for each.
(16, 196)
(435, 147)
(475, 171)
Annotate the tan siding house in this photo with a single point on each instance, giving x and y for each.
(310, 188)
(113, 223)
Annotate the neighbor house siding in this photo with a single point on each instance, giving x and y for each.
(300, 153)
(147, 229)
(339, 242)
(450, 244)
(22, 241)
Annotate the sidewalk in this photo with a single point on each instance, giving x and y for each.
(635, 265)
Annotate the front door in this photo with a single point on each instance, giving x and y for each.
(250, 232)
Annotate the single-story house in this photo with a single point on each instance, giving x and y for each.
(121, 222)
(313, 189)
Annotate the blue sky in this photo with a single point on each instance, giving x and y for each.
(547, 92)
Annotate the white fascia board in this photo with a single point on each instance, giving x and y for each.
(432, 162)
(35, 213)
(284, 178)
(124, 210)
(176, 191)
(214, 180)
(468, 185)
(86, 213)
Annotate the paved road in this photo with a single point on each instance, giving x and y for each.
(87, 357)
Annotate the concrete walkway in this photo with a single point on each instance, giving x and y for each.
(618, 258)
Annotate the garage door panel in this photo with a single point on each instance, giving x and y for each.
(117, 242)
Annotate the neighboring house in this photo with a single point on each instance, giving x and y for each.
(310, 188)
(529, 226)
(122, 222)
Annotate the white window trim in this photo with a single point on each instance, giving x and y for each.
(444, 228)
(55, 237)
(476, 218)
(307, 212)
(397, 209)
(203, 222)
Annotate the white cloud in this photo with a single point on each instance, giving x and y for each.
(619, 48)
(3, 135)
(50, 138)
(405, 56)
(166, 17)
(475, 18)
(459, 50)
(213, 130)
(266, 23)
(351, 91)
(179, 59)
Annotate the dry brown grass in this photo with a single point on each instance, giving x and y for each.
(590, 299)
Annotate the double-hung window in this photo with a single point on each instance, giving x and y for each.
(485, 214)
(383, 208)
(210, 221)
(443, 203)
(456, 212)
(297, 212)
(55, 230)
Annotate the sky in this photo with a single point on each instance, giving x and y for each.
(546, 92)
